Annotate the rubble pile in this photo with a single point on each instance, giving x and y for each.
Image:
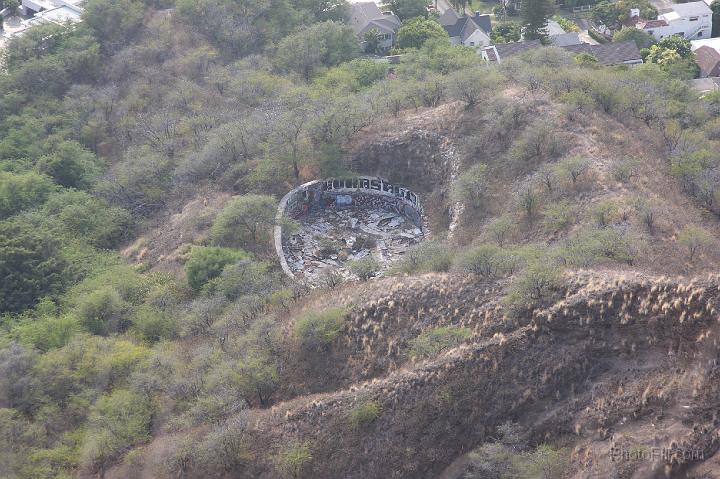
(328, 240)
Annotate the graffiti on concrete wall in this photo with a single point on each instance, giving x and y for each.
(372, 184)
(363, 192)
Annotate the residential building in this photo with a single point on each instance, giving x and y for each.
(607, 54)
(559, 37)
(464, 30)
(367, 16)
(48, 11)
(708, 59)
(691, 20)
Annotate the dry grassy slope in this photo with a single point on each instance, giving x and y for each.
(628, 359)
(614, 355)
(621, 358)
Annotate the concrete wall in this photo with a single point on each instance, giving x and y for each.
(366, 191)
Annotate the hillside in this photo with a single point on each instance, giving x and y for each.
(562, 307)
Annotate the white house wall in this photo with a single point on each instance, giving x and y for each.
(477, 39)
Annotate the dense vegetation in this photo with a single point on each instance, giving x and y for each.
(108, 125)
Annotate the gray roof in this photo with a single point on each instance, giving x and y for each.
(449, 17)
(505, 50)
(606, 54)
(367, 15)
(691, 8)
(565, 39)
(553, 28)
(463, 28)
(483, 21)
(610, 53)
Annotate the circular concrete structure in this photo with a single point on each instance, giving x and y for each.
(346, 219)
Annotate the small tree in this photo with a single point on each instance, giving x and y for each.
(641, 38)
(547, 177)
(416, 31)
(694, 239)
(484, 261)
(364, 414)
(319, 330)
(602, 212)
(470, 187)
(528, 201)
(294, 459)
(534, 16)
(206, 263)
(246, 221)
(364, 268)
(499, 229)
(572, 167)
(372, 41)
(406, 9)
(536, 283)
(436, 340)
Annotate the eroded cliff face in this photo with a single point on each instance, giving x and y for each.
(618, 362)
(419, 151)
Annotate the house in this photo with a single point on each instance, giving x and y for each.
(367, 16)
(619, 53)
(708, 59)
(607, 53)
(32, 7)
(501, 51)
(59, 12)
(565, 39)
(469, 31)
(691, 20)
(559, 37)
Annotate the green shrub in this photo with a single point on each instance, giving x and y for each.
(32, 264)
(593, 245)
(536, 283)
(153, 325)
(90, 219)
(117, 422)
(364, 268)
(436, 340)
(246, 222)
(47, 332)
(224, 449)
(603, 212)
(364, 414)
(206, 263)
(245, 277)
(558, 215)
(425, 257)
(102, 311)
(318, 330)
(294, 459)
(470, 187)
(71, 165)
(499, 229)
(528, 200)
(572, 168)
(694, 239)
(625, 168)
(22, 191)
(545, 462)
(647, 213)
(484, 261)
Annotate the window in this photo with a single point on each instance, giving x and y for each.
(693, 19)
(472, 44)
(699, 34)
